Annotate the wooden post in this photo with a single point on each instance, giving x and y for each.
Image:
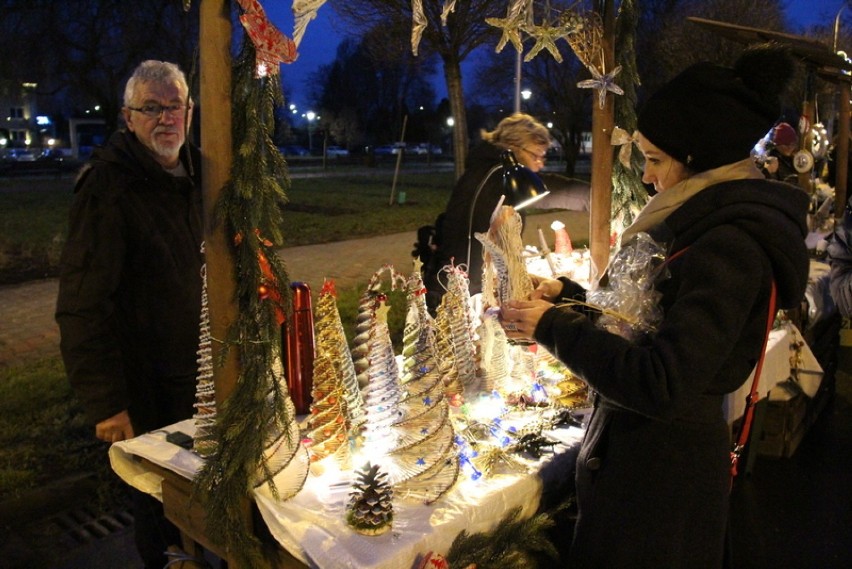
(215, 103)
(603, 121)
(842, 151)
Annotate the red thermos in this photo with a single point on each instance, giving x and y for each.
(297, 337)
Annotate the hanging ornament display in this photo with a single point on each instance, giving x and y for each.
(418, 24)
(625, 141)
(511, 25)
(303, 12)
(271, 46)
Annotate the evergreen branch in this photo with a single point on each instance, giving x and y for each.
(513, 544)
(250, 211)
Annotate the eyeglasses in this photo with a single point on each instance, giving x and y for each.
(540, 158)
(155, 110)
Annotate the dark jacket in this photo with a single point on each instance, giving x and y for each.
(130, 286)
(454, 225)
(840, 260)
(653, 471)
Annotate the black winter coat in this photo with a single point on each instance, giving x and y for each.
(653, 470)
(454, 224)
(130, 286)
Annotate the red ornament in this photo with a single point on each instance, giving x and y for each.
(263, 292)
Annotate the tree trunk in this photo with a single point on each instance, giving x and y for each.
(452, 74)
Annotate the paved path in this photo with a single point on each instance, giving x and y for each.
(28, 331)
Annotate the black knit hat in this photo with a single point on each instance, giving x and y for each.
(710, 115)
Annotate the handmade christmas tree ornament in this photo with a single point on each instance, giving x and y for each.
(205, 394)
(331, 343)
(503, 248)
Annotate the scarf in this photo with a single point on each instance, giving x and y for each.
(666, 202)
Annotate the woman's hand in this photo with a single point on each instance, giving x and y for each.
(520, 317)
(545, 288)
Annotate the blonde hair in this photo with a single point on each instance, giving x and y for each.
(517, 130)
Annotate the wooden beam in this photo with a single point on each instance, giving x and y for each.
(215, 103)
(603, 121)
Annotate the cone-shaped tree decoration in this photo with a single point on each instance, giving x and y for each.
(285, 463)
(494, 355)
(331, 341)
(370, 507)
(205, 394)
(446, 356)
(503, 247)
(328, 427)
(418, 341)
(424, 460)
(379, 379)
(455, 306)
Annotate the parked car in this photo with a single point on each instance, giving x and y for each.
(336, 151)
(385, 150)
(423, 148)
(20, 155)
(294, 150)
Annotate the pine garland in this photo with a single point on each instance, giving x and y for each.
(628, 193)
(250, 209)
(514, 544)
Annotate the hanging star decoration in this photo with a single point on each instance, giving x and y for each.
(545, 38)
(419, 23)
(602, 83)
(303, 12)
(271, 45)
(511, 25)
(449, 6)
(625, 140)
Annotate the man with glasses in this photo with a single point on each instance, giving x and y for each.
(130, 285)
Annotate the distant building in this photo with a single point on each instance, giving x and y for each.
(18, 120)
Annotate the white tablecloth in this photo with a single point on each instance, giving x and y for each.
(312, 526)
(777, 368)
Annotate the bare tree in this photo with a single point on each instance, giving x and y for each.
(84, 50)
(464, 31)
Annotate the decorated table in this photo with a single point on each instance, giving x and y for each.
(311, 525)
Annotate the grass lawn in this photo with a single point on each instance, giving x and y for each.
(324, 207)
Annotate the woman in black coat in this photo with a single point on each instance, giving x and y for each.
(653, 473)
(529, 141)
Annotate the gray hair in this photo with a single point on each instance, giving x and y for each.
(518, 130)
(153, 71)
